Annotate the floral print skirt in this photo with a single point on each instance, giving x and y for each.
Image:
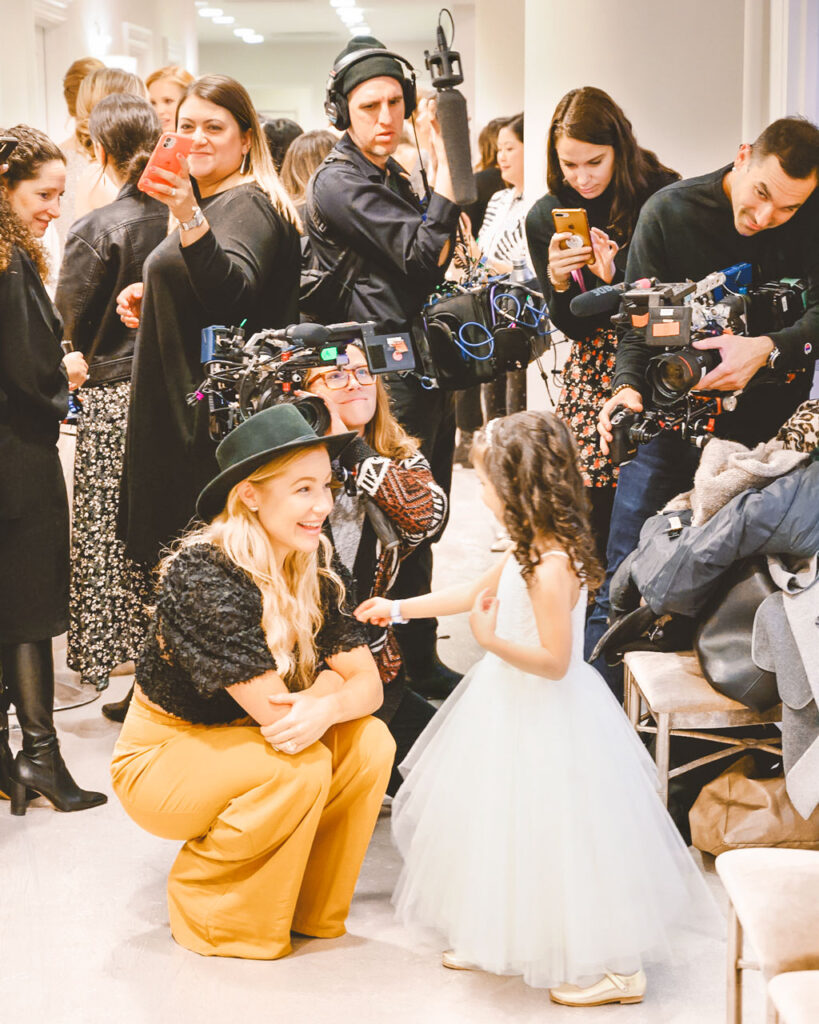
(587, 376)
(109, 594)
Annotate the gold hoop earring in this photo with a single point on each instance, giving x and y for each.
(245, 167)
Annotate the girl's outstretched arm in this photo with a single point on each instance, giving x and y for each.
(448, 601)
(553, 591)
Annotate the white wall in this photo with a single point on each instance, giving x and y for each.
(676, 70)
(289, 79)
(151, 32)
(499, 66)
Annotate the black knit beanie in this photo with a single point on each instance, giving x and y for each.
(370, 67)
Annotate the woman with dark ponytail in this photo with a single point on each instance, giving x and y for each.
(593, 162)
(105, 251)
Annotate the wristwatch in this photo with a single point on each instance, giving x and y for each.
(197, 219)
(773, 355)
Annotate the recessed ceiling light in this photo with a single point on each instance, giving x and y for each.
(209, 12)
(224, 19)
(255, 38)
(361, 30)
(242, 32)
(351, 15)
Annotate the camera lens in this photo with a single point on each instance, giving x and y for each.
(315, 412)
(673, 374)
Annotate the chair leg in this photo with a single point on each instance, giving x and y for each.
(733, 1000)
(663, 754)
(632, 695)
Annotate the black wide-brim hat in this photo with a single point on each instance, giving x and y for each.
(268, 433)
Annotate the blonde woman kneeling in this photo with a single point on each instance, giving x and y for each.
(251, 620)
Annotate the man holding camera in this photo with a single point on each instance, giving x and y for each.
(362, 203)
(762, 210)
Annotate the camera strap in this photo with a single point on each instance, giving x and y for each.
(327, 294)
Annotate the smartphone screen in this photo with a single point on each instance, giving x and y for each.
(577, 223)
(7, 147)
(166, 155)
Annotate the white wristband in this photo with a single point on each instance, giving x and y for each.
(396, 618)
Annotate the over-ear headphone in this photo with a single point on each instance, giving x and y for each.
(335, 103)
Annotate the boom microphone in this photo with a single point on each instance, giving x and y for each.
(445, 67)
(604, 299)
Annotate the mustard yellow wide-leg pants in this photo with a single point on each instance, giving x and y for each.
(274, 842)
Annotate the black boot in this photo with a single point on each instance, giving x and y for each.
(430, 677)
(28, 675)
(116, 710)
(6, 760)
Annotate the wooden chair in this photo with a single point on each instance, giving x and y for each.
(795, 997)
(668, 689)
(774, 896)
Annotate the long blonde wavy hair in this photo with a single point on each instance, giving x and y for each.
(291, 596)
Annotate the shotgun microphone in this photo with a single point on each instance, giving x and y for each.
(444, 65)
(604, 299)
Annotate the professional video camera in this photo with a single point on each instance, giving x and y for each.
(672, 316)
(475, 331)
(246, 376)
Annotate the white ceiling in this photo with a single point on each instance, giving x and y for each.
(317, 21)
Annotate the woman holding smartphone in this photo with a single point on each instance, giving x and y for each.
(232, 257)
(593, 164)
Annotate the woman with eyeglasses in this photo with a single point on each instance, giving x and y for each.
(394, 505)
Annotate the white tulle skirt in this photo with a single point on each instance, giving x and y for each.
(533, 836)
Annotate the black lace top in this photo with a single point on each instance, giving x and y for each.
(206, 634)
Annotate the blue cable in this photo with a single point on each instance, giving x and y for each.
(467, 346)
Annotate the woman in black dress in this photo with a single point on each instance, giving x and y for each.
(593, 162)
(104, 251)
(33, 503)
(232, 258)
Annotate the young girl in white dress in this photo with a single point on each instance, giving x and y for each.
(532, 833)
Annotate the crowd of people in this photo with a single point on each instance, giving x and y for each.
(283, 627)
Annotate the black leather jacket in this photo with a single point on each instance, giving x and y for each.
(104, 253)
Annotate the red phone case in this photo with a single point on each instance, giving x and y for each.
(165, 155)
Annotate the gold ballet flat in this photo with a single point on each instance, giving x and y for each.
(612, 988)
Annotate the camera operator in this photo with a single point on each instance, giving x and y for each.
(761, 210)
(363, 202)
(393, 477)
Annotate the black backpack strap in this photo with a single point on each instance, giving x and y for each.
(349, 264)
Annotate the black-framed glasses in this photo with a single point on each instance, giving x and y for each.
(338, 378)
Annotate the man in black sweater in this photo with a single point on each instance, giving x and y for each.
(762, 210)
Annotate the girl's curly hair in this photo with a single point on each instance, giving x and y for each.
(32, 151)
(531, 460)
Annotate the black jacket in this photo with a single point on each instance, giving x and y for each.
(33, 505)
(104, 253)
(678, 573)
(376, 213)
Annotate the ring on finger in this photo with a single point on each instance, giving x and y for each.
(290, 746)
(173, 191)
